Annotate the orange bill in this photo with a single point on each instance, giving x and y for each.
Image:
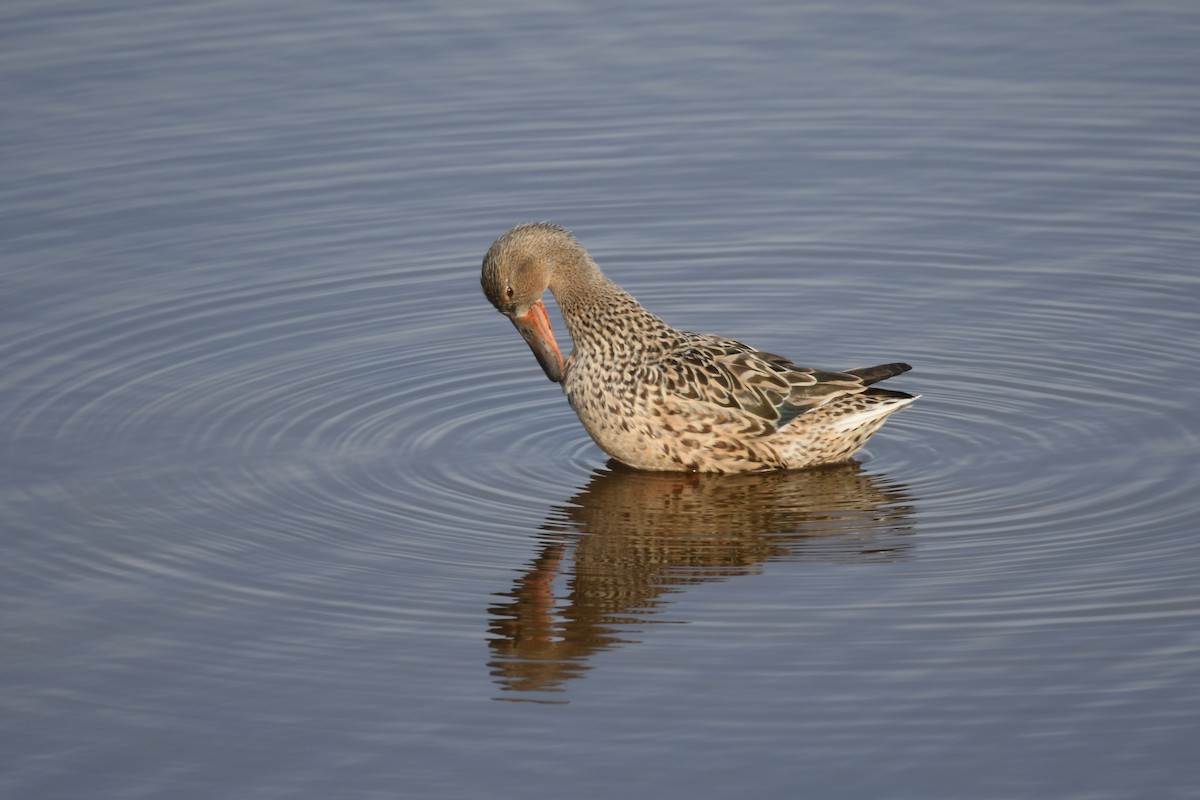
(535, 327)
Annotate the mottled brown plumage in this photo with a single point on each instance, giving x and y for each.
(658, 398)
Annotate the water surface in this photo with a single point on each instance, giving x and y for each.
(289, 511)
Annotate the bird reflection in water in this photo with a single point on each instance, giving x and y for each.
(612, 554)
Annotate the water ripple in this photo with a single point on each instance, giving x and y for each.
(338, 400)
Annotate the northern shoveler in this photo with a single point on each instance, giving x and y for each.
(658, 398)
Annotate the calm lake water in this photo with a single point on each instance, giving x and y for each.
(288, 511)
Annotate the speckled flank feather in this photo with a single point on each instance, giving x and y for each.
(658, 398)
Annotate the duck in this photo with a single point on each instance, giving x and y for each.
(657, 398)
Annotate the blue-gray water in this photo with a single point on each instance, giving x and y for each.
(288, 511)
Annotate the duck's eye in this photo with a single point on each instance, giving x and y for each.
(508, 292)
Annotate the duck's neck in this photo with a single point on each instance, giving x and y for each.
(600, 314)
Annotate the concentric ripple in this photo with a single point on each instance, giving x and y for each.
(366, 399)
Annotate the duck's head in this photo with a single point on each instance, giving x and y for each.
(517, 270)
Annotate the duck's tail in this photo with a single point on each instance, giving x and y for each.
(870, 375)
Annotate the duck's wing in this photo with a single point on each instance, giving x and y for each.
(726, 378)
